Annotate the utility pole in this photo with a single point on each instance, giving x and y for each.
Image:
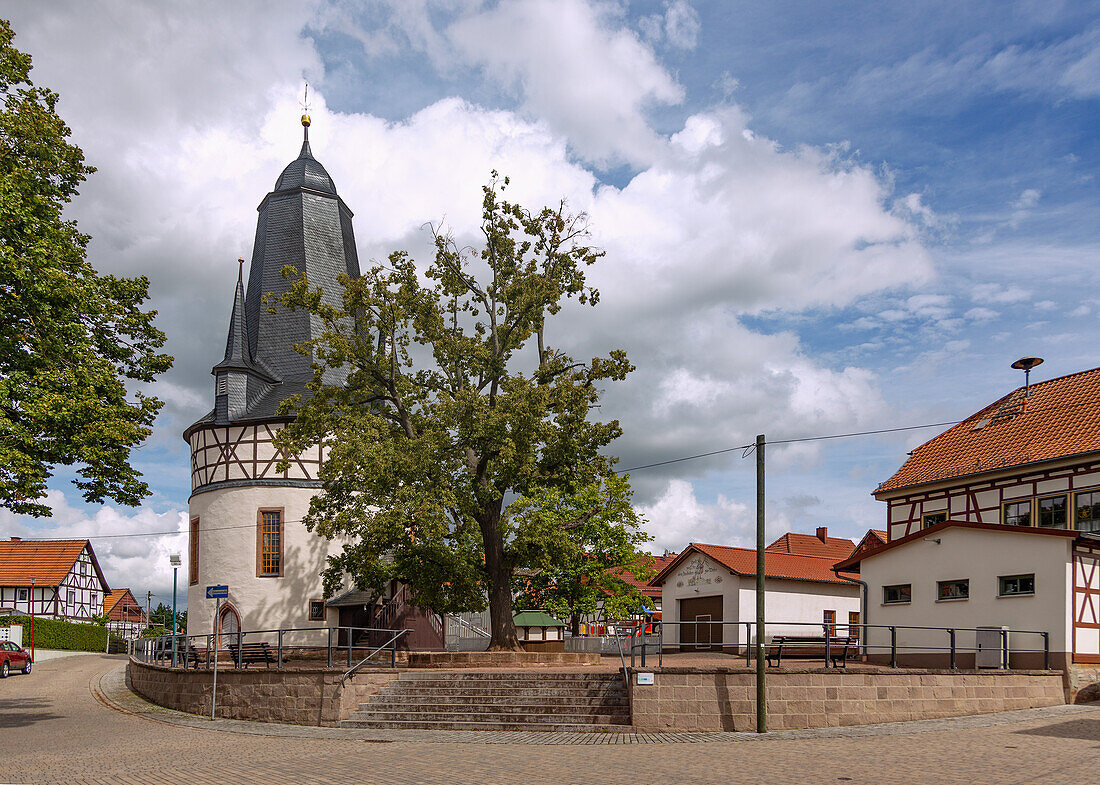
(761, 693)
(148, 607)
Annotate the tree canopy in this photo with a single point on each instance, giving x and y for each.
(587, 570)
(72, 338)
(455, 405)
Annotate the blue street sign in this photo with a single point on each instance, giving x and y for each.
(216, 592)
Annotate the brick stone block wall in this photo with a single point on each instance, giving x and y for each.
(299, 696)
(696, 699)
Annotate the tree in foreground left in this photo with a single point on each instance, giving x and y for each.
(72, 339)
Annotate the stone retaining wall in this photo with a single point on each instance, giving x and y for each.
(697, 699)
(300, 696)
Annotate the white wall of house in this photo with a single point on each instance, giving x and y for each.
(982, 556)
(784, 600)
(228, 555)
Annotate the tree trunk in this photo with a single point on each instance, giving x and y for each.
(502, 628)
(575, 624)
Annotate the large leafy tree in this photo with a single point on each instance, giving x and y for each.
(454, 406)
(71, 338)
(576, 574)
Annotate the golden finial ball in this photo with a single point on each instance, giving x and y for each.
(305, 120)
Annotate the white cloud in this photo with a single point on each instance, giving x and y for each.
(677, 517)
(995, 293)
(718, 222)
(576, 69)
(131, 549)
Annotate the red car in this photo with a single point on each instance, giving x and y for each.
(12, 657)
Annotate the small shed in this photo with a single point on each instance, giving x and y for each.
(539, 631)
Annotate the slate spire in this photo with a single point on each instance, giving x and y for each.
(237, 354)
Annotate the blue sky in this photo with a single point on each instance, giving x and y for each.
(820, 217)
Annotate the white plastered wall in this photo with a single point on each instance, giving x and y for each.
(227, 555)
(981, 556)
(784, 600)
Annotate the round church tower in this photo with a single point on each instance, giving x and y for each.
(245, 515)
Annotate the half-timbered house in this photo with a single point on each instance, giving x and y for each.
(996, 523)
(125, 616)
(68, 582)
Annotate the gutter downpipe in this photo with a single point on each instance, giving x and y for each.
(862, 606)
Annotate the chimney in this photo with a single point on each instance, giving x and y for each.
(823, 534)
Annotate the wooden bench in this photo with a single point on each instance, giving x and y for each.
(245, 654)
(812, 647)
(192, 656)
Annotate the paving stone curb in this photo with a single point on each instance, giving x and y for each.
(112, 688)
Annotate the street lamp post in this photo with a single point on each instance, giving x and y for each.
(33, 579)
(175, 560)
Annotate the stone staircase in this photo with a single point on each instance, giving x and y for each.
(517, 700)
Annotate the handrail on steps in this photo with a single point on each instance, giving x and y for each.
(619, 647)
(467, 625)
(351, 671)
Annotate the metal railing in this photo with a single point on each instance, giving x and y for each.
(275, 647)
(867, 642)
(390, 645)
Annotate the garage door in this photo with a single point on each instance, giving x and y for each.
(705, 632)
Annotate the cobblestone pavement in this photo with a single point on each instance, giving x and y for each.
(56, 727)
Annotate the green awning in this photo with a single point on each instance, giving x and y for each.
(536, 619)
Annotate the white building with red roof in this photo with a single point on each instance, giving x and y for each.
(709, 591)
(995, 523)
(67, 581)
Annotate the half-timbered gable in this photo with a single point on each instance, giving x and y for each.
(125, 616)
(1031, 458)
(68, 582)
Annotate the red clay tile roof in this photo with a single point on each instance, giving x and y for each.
(835, 548)
(851, 564)
(872, 540)
(132, 608)
(1060, 419)
(648, 589)
(742, 561)
(49, 561)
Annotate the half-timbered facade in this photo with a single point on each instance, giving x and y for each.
(68, 582)
(1028, 463)
(125, 616)
(1030, 459)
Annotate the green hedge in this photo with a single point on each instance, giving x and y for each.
(56, 634)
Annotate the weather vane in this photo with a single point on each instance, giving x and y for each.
(305, 111)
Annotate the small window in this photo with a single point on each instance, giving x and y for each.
(270, 545)
(1015, 585)
(897, 595)
(72, 597)
(23, 593)
(953, 590)
(853, 623)
(932, 518)
(1053, 512)
(83, 568)
(1017, 514)
(1087, 511)
(316, 610)
(829, 620)
(193, 552)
